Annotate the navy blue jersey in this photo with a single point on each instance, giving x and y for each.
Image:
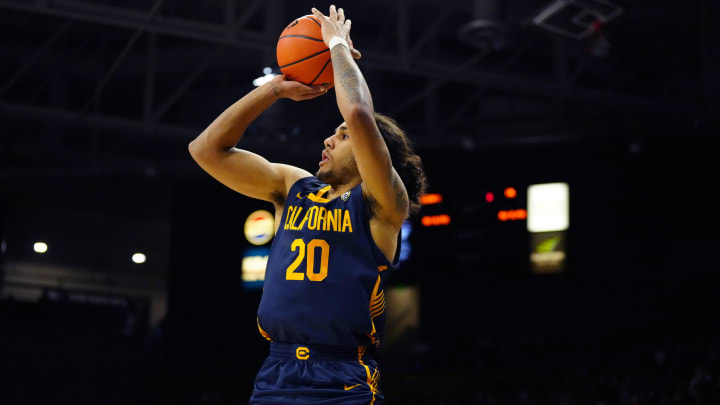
(323, 283)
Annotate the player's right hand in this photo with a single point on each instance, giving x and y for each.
(335, 24)
(284, 88)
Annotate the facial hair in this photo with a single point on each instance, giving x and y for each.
(338, 176)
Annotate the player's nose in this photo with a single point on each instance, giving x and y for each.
(329, 142)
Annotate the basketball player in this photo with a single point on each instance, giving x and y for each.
(337, 233)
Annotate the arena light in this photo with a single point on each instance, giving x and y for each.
(429, 199)
(268, 75)
(548, 207)
(40, 247)
(253, 268)
(512, 215)
(435, 220)
(510, 192)
(259, 227)
(405, 248)
(489, 197)
(254, 264)
(139, 258)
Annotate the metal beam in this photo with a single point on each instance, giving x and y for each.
(375, 60)
(149, 97)
(35, 57)
(101, 85)
(402, 29)
(93, 170)
(112, 17)
(115, 124)
(131, 127)
(428, 34)
(439, 82)
(460, 110)
(188, 82)
(235, 26)
(710, 56)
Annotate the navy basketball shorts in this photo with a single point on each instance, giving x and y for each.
(317, 374)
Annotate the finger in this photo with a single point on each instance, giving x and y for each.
(312, 88)
(308, 96)
(347, 25)
(316, 88)
(341, 14)
(355, 53)
(318, 14)
(333, 13)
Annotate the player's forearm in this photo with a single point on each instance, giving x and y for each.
(227, 129)
(351, 89)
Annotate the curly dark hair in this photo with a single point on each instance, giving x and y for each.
(405, 161)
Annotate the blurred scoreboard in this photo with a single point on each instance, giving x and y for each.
(510, 230)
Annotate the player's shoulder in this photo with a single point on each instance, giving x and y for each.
(291, 175)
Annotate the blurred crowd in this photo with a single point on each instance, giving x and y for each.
(72, 353)
(653, 366)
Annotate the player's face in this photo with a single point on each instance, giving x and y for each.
(338, 163)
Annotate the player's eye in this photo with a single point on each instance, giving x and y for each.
(346, 136)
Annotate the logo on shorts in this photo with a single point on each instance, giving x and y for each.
(302, 353)
(345, 196)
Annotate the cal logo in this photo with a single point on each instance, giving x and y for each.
(302, 353)
(345, 196)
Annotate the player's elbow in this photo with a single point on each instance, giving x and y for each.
(360, 115)
(194, 149)
(199, 149)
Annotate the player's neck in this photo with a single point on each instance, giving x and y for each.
(341, 188)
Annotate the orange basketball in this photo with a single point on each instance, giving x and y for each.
(302, 54)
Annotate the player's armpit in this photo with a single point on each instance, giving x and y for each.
(395, 206)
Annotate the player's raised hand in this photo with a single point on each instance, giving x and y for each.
(335, 25)
(284, 88)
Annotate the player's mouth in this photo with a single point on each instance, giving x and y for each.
(325, 158)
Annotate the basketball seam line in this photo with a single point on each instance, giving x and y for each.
(315, 21)
(321, 70)
(305, 58)
(301, 36)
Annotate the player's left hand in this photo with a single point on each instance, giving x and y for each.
(335, 25)
(296, 91)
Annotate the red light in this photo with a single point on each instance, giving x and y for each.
(510, 192)
(489, 197)
(435, 220)
(512, 215)
(428, 199)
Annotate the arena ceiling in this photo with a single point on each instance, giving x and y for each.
(102, 87)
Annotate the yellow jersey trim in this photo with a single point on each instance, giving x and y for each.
(377, 300)
(262, 331)
(318, 197)
(371, 378)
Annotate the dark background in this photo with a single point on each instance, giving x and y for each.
(99, 99)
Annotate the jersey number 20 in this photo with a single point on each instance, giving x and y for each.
(299, 245)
